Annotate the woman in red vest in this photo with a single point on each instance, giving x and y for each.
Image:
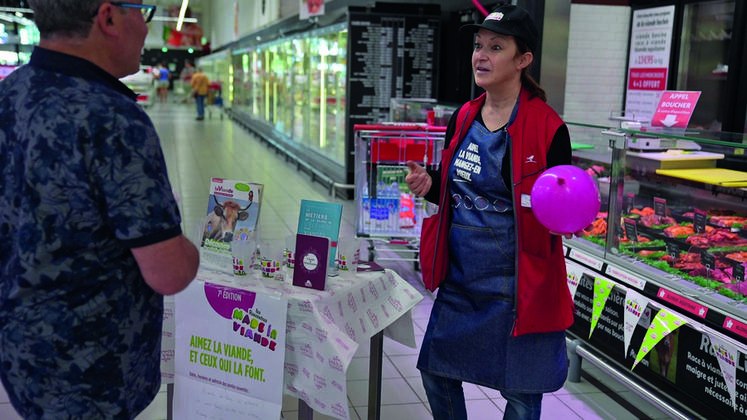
(502, 307)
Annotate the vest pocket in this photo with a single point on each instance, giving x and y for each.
(534, 239)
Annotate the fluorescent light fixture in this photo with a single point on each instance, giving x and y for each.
(182, 12)
(15, 9)
(13, 18)
(173, 19)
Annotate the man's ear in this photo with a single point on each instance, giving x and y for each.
(107, 20)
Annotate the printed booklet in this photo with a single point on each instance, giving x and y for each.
(310, 271)
(232, 215)
(320, 218)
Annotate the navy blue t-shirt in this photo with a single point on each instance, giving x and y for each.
(83, 181)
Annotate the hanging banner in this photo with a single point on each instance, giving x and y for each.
(574, 272)
(727, 355)
(309, 8)
(635, 305)
(230, 352)
(648, 68)
(664, 323)
(602, 289)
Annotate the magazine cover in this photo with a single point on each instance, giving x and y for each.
(232, 215)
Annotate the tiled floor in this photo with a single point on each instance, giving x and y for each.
(198, 150)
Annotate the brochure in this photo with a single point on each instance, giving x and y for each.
(232, 215)
(320, 218)
(311, 253)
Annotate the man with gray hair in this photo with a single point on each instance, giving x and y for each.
(90, 232)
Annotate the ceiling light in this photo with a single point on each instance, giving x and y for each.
(182, 12)
(15, 9)
(173, 19)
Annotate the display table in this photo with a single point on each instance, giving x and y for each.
(325, 328)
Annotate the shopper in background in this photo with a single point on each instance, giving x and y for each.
(187, 72)
(90, 236)
(185, 78)
(200, 84)
(163, 76)
(499, 317)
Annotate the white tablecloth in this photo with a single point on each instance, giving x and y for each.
(325, 328)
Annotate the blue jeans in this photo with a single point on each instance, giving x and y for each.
(200, 104)
(446, 398)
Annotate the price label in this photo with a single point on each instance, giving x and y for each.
(673, 249)
(631, 229)
(628, 202)
(699, 220)
(708, 260)
(660, 207)
(738, 272)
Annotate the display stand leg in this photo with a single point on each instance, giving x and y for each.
(170, 402)
(304, 411)
(374, 376)
(574, 368)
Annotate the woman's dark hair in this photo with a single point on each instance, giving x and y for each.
(527, 81)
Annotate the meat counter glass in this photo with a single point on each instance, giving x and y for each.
(658, 278)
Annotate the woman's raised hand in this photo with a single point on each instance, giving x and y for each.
(418, 179)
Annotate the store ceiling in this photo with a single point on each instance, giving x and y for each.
(162, 3)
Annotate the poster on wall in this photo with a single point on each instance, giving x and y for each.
(648, 64)
(229, 352)
(309, 8)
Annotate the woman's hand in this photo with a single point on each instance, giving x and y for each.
(578, 234)
(418, 179)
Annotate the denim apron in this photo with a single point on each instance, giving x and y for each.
(469, 332)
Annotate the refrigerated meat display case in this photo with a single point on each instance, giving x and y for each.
(658, 278)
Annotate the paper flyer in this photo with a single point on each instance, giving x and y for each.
(574, 272)
(728, 356)
(232, 215)
(602, 290)
(168, 333)
(635, 305)
(229, 353)
(664, 323)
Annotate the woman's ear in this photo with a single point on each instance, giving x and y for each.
(525, 60)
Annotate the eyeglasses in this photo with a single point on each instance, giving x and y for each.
(148, 10)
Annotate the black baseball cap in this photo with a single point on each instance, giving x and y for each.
(509, 20)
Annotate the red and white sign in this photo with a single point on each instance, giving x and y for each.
(654, 79)
(675, 109)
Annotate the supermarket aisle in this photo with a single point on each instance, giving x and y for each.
(198, 150)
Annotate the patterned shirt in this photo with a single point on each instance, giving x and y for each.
(83, 181)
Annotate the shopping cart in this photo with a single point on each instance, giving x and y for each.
(389, 215)
(214, 100)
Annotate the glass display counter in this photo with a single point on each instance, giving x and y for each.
(304, 87)
(658, 279)
(297, 85)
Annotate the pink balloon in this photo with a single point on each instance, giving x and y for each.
(565, 199)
